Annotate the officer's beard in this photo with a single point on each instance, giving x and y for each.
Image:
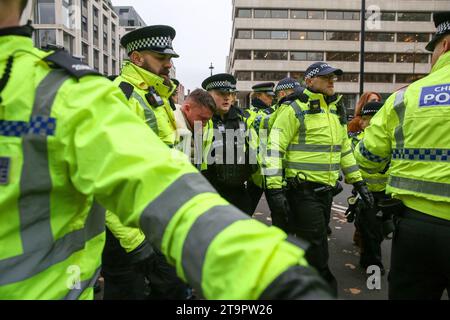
(163, 72)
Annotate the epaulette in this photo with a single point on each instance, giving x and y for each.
(62, 59)
(127, 89)
(294, 96)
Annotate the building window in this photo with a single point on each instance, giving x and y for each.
(243, 13)
(243, 75)
(408, 78)
(243, 34)
(46, 37)
(410, 57)
(68, 42)
(380, 36)
(343, 36)
(85, 53)
(96, 58)
(113, 46)
(105, 41)
(349, 77)
(306, 35)
(105, 65)
(383, 16)
(414, 16)
(378, 77)
(84, 3)
(342, 15)
(130, 23)
(275, 14)
(269, 75)
(45, 12)
(413, 37)
(342, 56)
(113, 67)
(297, 75)
(243, 55)
(122, 11)
(305, 14)
(270, 55)
(306, 56)
(378, 57)
(268, 34)
(95, 11)
(84, 27)
(95, 35)
(66, 13)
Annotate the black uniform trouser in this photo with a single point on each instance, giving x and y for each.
(128, 277)
(255, 194)
(309, 218)
(420, 256)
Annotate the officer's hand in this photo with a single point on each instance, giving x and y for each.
(365, 194)
(278, 203)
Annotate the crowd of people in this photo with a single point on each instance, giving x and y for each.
(74, 144)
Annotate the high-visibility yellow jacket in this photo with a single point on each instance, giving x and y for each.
(376, 182)
(308, 139)
(411, 131)
(65, 141)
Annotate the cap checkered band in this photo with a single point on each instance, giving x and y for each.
(443, 27)
(315, 71)
(156, 42)
(286, 86)
(220, 84)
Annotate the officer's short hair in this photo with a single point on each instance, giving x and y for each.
(203, 98)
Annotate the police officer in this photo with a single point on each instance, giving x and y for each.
(411, 131)
(262, 96)
(145, 81)
(373, 223)
(67, 138)
(228, 167)
(308, 146)
(286, 87)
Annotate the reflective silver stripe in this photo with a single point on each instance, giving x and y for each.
(35, 180)
(149, 114)
(400, 108)
(376, 181)
(301, 118)
(74, 294)
(346, 153)
(312, 166)
(160, 211)
(315, 148)
(420, 186)
(351, 169)
(272, 172)
(25, 266)
(200, 236)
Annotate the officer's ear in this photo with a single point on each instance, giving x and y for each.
(446, 44)
(137, 58)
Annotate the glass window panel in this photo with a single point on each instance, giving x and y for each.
(46, 11)
(269, 75)
(279, 14)
(298, 35)
(314, 56)
(313, 14)
(244, 34)
(379, 57)
(335, 15)
(243, 55)
(349, 77)
(314, 35)
(270, 55)
(378, 77)
(244, 13)
(46, 37)
(343, 36)
(298, 56)
(351, 15)
(380, 36)
(243, 75)
(408, 78)
(299, 14)
(342, 56)
(413, 37)
(410, 57)
(279, 35)
(297, 75)
(262, 34)
(262, 13)
(414, 16)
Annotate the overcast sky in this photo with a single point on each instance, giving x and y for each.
(203, 33)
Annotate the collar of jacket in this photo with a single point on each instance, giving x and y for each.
(14, 39)
(257, 103)
(232, 114)
(443, 61)
(144, 79)
(324, 100)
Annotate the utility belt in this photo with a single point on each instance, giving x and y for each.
(317, 188)
(409, 213)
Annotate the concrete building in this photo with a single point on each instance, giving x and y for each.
(272, 39)
(86, 28)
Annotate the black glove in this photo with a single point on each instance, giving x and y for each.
(279, 207)
(365, 194)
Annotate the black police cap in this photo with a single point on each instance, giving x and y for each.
(321, 69)
(265, 87)
(442, 23)
(221, 82)
(156, 38)
(286, 84)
